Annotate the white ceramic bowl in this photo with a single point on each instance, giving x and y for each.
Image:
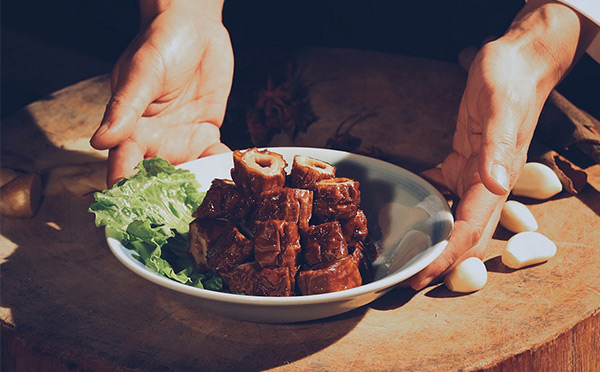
(408, 218)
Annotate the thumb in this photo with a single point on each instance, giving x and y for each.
(498, 152)
(136, 86)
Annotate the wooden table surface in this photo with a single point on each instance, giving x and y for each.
(68, 304)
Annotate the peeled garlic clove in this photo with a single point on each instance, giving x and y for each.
(527, 248)
(468, 276)
(516, 217)
(537, 181)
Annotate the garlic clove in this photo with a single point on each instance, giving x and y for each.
(526, 249)
(516, 217)
(537, 181)
(468, 276)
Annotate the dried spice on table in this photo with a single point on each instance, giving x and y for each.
(280, 108)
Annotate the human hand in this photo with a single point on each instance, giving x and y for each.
(169, 90)
(508, 83)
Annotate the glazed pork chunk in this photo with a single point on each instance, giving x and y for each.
(218, 245)
(277, 244)
(337, 198)
(307, 171)
(323, 243)
(201, 235)
(342, 274)
(287, 204)
(223, 200)
(255, 171)
(250, 279)
(355, 228)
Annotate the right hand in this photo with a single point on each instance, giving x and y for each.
(169, 91)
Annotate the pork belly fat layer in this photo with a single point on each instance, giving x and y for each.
(256, 171)
(307, 171)
(336, 198)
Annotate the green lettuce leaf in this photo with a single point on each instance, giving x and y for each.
(150, 212)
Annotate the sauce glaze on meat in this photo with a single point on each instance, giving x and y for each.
(267, 233)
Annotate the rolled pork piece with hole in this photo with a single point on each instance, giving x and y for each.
(287, 204)
(255, 171)
(307, 171)
(202, 233)
(341, 274)
(277, 244)
(249, 278)
(355, 228)
(228, 250)
(323, 243)
(223, 200)
(336, 198)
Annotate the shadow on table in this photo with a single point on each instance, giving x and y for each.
(69, 298)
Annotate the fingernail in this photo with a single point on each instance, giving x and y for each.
(500, 175)
(100, 131)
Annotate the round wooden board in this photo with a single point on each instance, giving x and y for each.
(68, 304)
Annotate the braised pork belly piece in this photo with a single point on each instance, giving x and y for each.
(255, 171)
(277, 244)
(307, 171)
(355, 228)
(323, 243)
(249, 278)
(294, 205)
(267, 233)
(337, 198)
(361, 256)
(217, 245)
(202, 233)
(342, 274)
(223, 200)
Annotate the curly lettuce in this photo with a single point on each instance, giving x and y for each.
(150, 213)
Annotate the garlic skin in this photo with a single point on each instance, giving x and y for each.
(516, 217)
(526, 249)
(468, 276)
(537, 181)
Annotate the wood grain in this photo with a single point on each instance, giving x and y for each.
(68, 304)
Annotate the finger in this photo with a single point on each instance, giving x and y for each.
(435, 176)
(178, 144)
(137, 86)
(217, 148)
(499, 147)
(476, 219)
(122, 161)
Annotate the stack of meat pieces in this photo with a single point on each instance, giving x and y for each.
(267, 233)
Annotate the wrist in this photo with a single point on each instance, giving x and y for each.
(549, 37)
(150, 9)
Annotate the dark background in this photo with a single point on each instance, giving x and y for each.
(47, 45)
